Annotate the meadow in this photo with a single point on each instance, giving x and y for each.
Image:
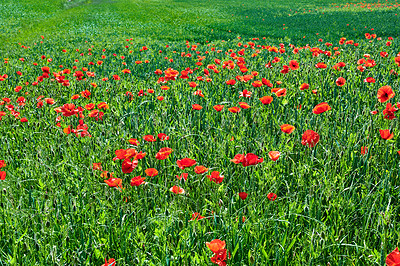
(199, 132)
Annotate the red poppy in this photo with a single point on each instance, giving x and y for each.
(286, 128)
(385, 134)
(281, 92)
(177, 190)
(149, 138)
(134, 142)
(321, 108)
(340, 81)
(266, 100)
(243, 195)
(294, 65)
(216, 245)
(197, 107)
(69, 110)
(245, 93)
(151, 172)
(321, 65)
(310, 138)
(137, 181)
(393, 259)
(220, 257)
(216, 177)
(231, 82)
(271, 196)
(183, 175)
(96, 166)
(128, 166)
(389, 111)
(192, 84)
(218, 108)
(369, 80)
(114, 182)
(274, 155)
(185, 162)
(234, 109)
(2, 164)
(364, 150)
(244, 105)
(163, 153)
(110, 262)
(385, 93)
(304, 86)
(196, 216)
(85, 94)
(2, 175)
(162, 136)
(246, 160)
(200, 169)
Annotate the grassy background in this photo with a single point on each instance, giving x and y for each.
(334, 205)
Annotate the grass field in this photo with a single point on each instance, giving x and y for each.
(280, 115)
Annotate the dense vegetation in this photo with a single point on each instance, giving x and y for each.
(281, 114)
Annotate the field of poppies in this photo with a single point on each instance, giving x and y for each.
(199, 133)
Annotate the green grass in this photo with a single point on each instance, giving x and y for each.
(334, 205)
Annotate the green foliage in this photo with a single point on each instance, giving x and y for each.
(334, 205)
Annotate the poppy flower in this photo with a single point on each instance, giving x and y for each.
(216, 245)
(393, 259)
(183, 175)
(294, 65)
(218, 108)
(369, 80)
(137, 181)
(151, 172)
(134, 142)
(281, 92)
(185, 162)
(2, 175)
(310, 138)
(110, 262)
(200, 169)
(274, 155)
(234, 109)
(96, 166)
(220, 257)
(2, 164)
(177, 190)
(321, 65)
(243, 195)
(69, 110)
(192, 84)
(340, 81)
(304, 86)
(321, 108)
(245, 93)
(149, 138)
(266, 100)
(231, 82)
(162, 136)
(286, 128)
(244, 105)
(197, 107)
(163, 153)
(128, 166)
(271, 196)
(196, 216)
(24, 120)
(246, 160)
(160, 98)
(216, 177)
(385, 134)
(364, 150)
(389, 111)
(114, 182)
(385, 93)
